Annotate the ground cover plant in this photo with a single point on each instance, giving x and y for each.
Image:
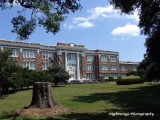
(91, 102)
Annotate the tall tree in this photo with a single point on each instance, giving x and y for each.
(7, 69)
(149, 22)
(46, 13)
(149, 68)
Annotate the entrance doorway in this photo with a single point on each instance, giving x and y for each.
(72, 72)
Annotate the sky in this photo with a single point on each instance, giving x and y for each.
(97, 26)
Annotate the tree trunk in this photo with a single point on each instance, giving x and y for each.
(42, 97)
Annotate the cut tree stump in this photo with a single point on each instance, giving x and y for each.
(42, 97)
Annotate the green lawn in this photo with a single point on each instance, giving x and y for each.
(92, 101)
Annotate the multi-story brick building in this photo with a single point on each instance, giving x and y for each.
(80, 62)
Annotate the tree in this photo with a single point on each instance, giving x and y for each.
(46, 13)
(42, 76)
(42, 97)
(149, 22)
(149, 13)
(7, 70)
(142, 67)
(59, 74)
(149, 68)
(149, 71)
(23, 77)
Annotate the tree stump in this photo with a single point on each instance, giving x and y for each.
(42, 97)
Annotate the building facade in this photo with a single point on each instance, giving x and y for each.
(80, 62)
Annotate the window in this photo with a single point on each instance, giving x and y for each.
(46, 66)
(71, 56)
(134, 68)
(30, 65)
(105, 76)
(90, 76)
(29, 53)
(89, 67)
(15, 52)
(115, 76)
(72, 65)
(104, 67)
(122, 75)
(90, 58)
(104, 58)
(123, 68)
(48, 55)
(113, 67)
(113, 58)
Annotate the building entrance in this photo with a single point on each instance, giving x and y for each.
(72, 73)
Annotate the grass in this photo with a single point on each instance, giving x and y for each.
(92, 101)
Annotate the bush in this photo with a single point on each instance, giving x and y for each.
(128, 80)
(110, 78)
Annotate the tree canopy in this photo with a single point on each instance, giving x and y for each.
(149, 13)
(149, 68)
(149, 22)
(59, 74)
(46, 13)
(7, 69)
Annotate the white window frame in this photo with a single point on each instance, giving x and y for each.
(48, 55)
(105, 75)
(123, 68)
(46, 66)
(113, 58)
(114, 75)
(89, 67)
(71, 65)
(31, 65)
(90, 58)
(15, 52)
(27, 53)
(104, 58)
(134, 67)
(71, 56)
(90, 76)
(104, 67)
(114, 67)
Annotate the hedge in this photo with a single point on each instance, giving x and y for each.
(128, 80)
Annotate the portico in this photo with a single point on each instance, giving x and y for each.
(71, 55)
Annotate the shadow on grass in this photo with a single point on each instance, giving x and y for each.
(9, 92)
(143, 99)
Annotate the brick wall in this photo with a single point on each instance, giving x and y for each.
(20, 58)
(83, 70)
(39, 60)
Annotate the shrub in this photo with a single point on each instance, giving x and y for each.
(110, 78)
(119, 77)
(129, 80)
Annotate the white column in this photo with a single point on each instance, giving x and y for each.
(78, 68)
(1, 48)
(66, 60)
(21, 50)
